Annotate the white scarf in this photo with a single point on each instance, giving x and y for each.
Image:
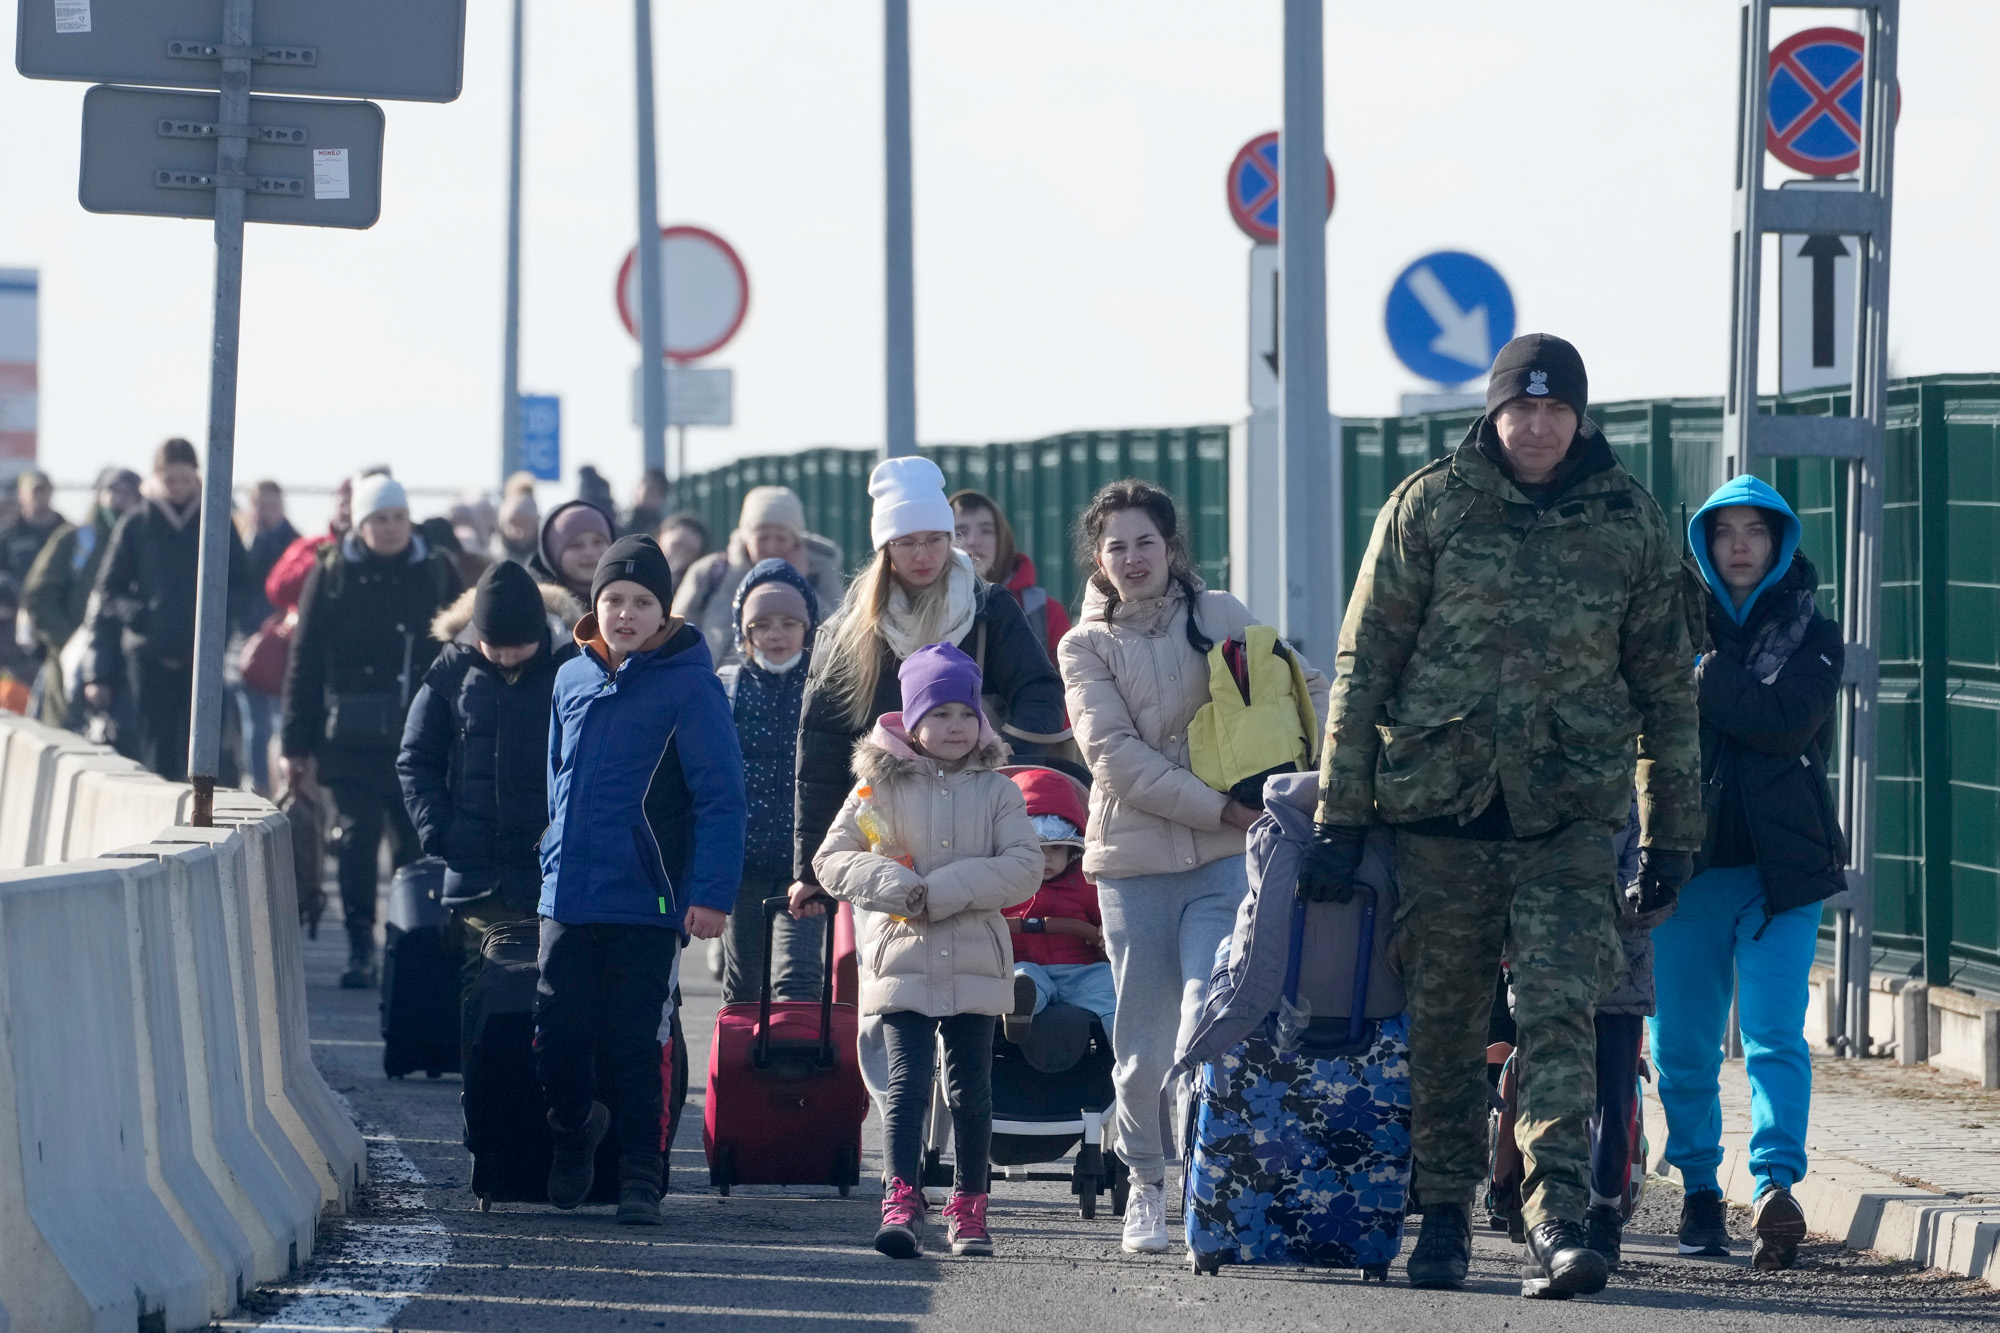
(961, 607)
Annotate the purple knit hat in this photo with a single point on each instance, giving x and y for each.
(934, 676)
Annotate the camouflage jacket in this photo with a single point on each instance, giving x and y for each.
(1491, 647)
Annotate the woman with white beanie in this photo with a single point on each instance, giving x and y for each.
(771, 526)
(917, 591)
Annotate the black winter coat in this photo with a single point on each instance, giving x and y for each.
(474, 770)
(146, 592)
(1764, 743)
(1018, 678)
(361, 649)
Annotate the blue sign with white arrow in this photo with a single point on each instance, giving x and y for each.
(541, 436)
(1448, 316)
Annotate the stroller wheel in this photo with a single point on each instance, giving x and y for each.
(1121, 1186)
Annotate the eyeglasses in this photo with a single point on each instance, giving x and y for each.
(926, 542)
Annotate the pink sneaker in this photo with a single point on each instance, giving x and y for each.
(901, 1235)
(965, 1224)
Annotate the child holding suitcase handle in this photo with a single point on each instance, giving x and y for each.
(929, 856)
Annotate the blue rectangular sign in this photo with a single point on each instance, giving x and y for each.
(541, 435)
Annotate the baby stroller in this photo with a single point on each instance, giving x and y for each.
(1051, 1093)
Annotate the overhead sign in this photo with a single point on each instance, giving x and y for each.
(1814, 100)
(541, 436)
(706, 288)
(19, 343)
(1448, 315)
(1816, 294)
(1253, 188)
(314, 163)
(1264, 331)
(696, 396)
(402, 50)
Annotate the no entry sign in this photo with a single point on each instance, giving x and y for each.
(1814, 96)
(706, 287)
(1253, 188)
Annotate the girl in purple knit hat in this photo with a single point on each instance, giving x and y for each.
(929, 847)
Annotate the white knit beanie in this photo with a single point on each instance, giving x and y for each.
(909, 497)
(375, 492)
(779, 505)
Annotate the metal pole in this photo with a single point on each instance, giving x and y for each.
(900, 279)
(218, 536)
(510, 377)
(652, 302)
(1310, 515)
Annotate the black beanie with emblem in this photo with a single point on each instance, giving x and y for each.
(635, 559)
(507, 608)
(1538, 365)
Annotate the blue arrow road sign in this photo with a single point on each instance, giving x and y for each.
(541, 436)
(1448, 315)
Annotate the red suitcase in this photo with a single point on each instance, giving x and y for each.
(785, 1097)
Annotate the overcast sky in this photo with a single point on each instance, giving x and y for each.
(1075, 263)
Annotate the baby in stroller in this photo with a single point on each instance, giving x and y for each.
(1057, 934)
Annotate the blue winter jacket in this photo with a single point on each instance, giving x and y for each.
(609, 741)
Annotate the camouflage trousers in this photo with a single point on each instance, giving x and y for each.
(1545, 904)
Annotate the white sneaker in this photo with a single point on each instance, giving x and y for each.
(1146, 1219)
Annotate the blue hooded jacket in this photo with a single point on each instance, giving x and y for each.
(766, 705)
(620, 816)
(1744, 490)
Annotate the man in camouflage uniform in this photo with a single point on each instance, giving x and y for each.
(1514, 644)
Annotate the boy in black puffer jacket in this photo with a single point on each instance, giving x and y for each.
(776, 616)
(473, 765)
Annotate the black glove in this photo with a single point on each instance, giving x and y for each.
(1658, 888)
(1326, 872)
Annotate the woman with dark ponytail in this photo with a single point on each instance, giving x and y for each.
(1165, 848)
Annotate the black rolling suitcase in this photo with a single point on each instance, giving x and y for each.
(506, 1129)
(420, 966)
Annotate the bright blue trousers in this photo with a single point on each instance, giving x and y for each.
(1710, 942)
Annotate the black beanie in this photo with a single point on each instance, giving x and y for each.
(635, 559)
(1538, 365)
(507, 608)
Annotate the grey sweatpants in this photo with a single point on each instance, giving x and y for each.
(1161, 933)
(797, 970)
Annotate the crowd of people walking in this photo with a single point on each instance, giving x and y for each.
(600, 725)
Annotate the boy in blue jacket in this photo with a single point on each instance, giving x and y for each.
(612, 913)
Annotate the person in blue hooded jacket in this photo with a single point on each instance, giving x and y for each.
(634, 859)
(1768, 677)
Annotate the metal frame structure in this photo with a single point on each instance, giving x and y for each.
(1749, 435)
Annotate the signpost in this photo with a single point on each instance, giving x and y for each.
(1816, 279)
(1264, 335)
(1252, 187)
(706, 286)
(1448, 315)
(696, 396)
(1816, 78)
(19, 292)
(541, 436)
(273, 159)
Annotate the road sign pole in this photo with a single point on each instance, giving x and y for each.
(211, 616)
(899, 278)
(510, 376)
(652, 301)
(1311, 513)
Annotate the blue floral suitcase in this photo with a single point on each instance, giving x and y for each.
(1302, 1156)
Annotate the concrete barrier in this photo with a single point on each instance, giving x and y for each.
(89, 1241)
(110, 810)
(27, 782)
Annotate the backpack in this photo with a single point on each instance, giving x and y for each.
(1259, 719)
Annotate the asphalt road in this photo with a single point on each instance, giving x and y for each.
(417, 1255)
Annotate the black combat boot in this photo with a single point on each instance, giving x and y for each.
(360, 973)
(639, 1191)
(1604, 1231)
(1559, 1264)
(573, 1168)
(1444, 1248)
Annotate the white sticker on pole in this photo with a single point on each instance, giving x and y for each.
(72, 15)
(329, 173)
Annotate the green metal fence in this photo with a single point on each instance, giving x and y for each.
(1939, 750)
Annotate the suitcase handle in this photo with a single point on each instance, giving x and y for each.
(760, 1054)
(1357, 1006)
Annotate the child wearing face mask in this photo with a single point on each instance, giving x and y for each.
(930, 847)
(776, 617)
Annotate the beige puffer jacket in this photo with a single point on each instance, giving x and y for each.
(931, 938)
(1132, 686)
